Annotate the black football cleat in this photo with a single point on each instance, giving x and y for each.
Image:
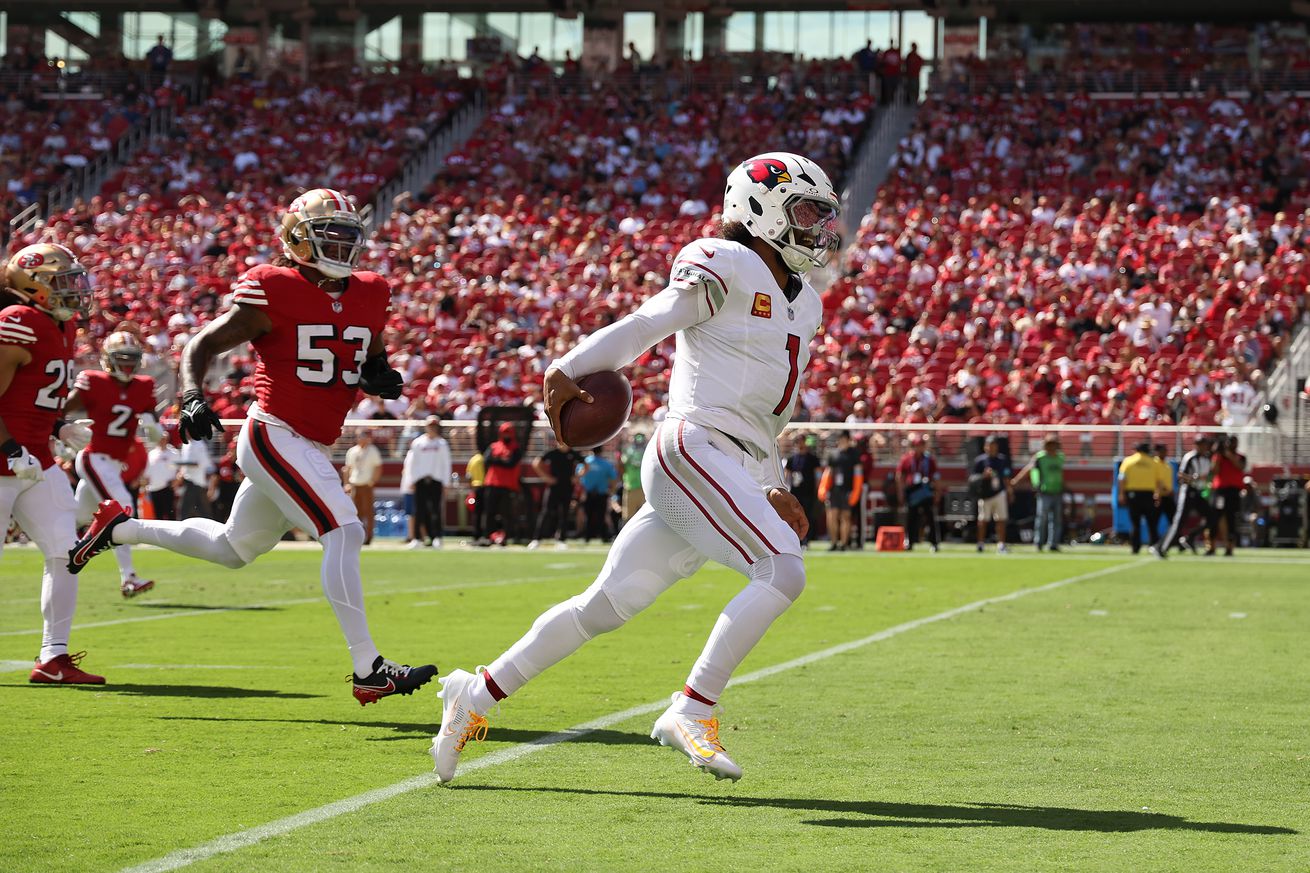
(389, 678)
(99, 536)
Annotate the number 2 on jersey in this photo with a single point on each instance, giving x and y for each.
(317, 365)
(793, 354)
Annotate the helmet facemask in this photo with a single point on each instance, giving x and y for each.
(123, 363)
(811, 236)
(335, 242)
(70, 294)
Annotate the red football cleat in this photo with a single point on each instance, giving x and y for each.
(133, 586)
(99, 536)
(63, 670)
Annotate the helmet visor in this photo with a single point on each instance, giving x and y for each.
(124, 362)
(814, 225)
(337, 241)
(70, 294)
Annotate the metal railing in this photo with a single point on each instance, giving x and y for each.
(870, 165)
(1284, 392)
(423, 166)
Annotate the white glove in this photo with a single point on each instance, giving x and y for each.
(151, 432)
(24, 466)
(76, 434)
(62, 452)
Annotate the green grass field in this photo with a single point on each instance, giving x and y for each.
(1143, 716)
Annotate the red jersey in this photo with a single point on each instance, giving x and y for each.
(113, 407)
(308, 369)
(31, 405)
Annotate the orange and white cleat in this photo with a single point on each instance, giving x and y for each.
(460, 722)
(63, 670)
(132, 586)
(696, 738)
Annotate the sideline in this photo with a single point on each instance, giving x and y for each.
(249, 837)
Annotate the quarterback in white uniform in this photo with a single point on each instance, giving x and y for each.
(744, 316)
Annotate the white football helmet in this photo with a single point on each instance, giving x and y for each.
(788, 202)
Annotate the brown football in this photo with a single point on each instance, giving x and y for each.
(587, 425)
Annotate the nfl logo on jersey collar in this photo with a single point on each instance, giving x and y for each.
(336, 305)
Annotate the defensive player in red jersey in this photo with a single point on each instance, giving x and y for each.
(316, 325)
(45, 291)
(117, 400)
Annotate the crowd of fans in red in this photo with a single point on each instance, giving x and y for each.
(1039, 260)
(1029, 260)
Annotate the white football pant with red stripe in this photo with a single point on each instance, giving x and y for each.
(101, 478)
(701, 504)
(289, 482)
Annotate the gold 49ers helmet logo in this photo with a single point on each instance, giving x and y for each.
(31, 260)
(769, 172)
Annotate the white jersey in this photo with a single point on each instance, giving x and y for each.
(742, 346)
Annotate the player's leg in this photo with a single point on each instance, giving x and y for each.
(298, 477)
(101, 478)
(699, 485)
(646, 559)
(47, 513)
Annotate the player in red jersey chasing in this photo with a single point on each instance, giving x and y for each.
(45, 291)
(316, 325)
(118, 400)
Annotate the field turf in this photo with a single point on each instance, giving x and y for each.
(1125, 715)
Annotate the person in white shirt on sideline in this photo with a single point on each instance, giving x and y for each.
(429, 466)
(161, 477)
(196, 465)
(361, 473)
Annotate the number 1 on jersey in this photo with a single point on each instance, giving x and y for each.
(793, 354)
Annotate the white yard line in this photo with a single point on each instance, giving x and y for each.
(249, 837)
(299, 601)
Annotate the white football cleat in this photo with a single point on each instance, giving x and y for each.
(534, 544)
(696, 738)
(414, 544)
(459, 723)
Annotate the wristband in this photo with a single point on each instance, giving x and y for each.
(10, 448)
(59, 424)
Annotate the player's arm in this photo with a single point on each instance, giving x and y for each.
(240, 324)
(376, 376)
(678, 307)
(18, 458)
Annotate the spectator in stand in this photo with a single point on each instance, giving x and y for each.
(159, 57)
(1139, 490)
(913, 71)
(1046, 475)
(556, 468)
(802, 467)
(917, 482)
(1229, 466)
(1193, 497)
(161, 480)
(503, 458)
(633, 497)
(890, 72)
(1240, 401)
(866, 60)
(599, 482)
(840, 489)
(361, 472)
(989, 480)
(194, 461)
(430, 468)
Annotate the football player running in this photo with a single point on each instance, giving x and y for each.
(45, 291)
(744, 315)
(118, 400)
(316, 326)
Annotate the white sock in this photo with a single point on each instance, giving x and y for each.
(344, 589)
(557, 633)
(741, 625)
(691, 707)
(58, 603)
(481, 699)
(201, 538)
(124, 555)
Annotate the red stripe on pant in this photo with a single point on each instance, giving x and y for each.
(682, 449)
(94, 478)
(290, 481)
(659, 455)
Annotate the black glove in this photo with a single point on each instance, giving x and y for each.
(198, 421)
(376, 378)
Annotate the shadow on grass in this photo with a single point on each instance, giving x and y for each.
(424, 730)
(878, 814)
(206, 606)
(202, 691)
